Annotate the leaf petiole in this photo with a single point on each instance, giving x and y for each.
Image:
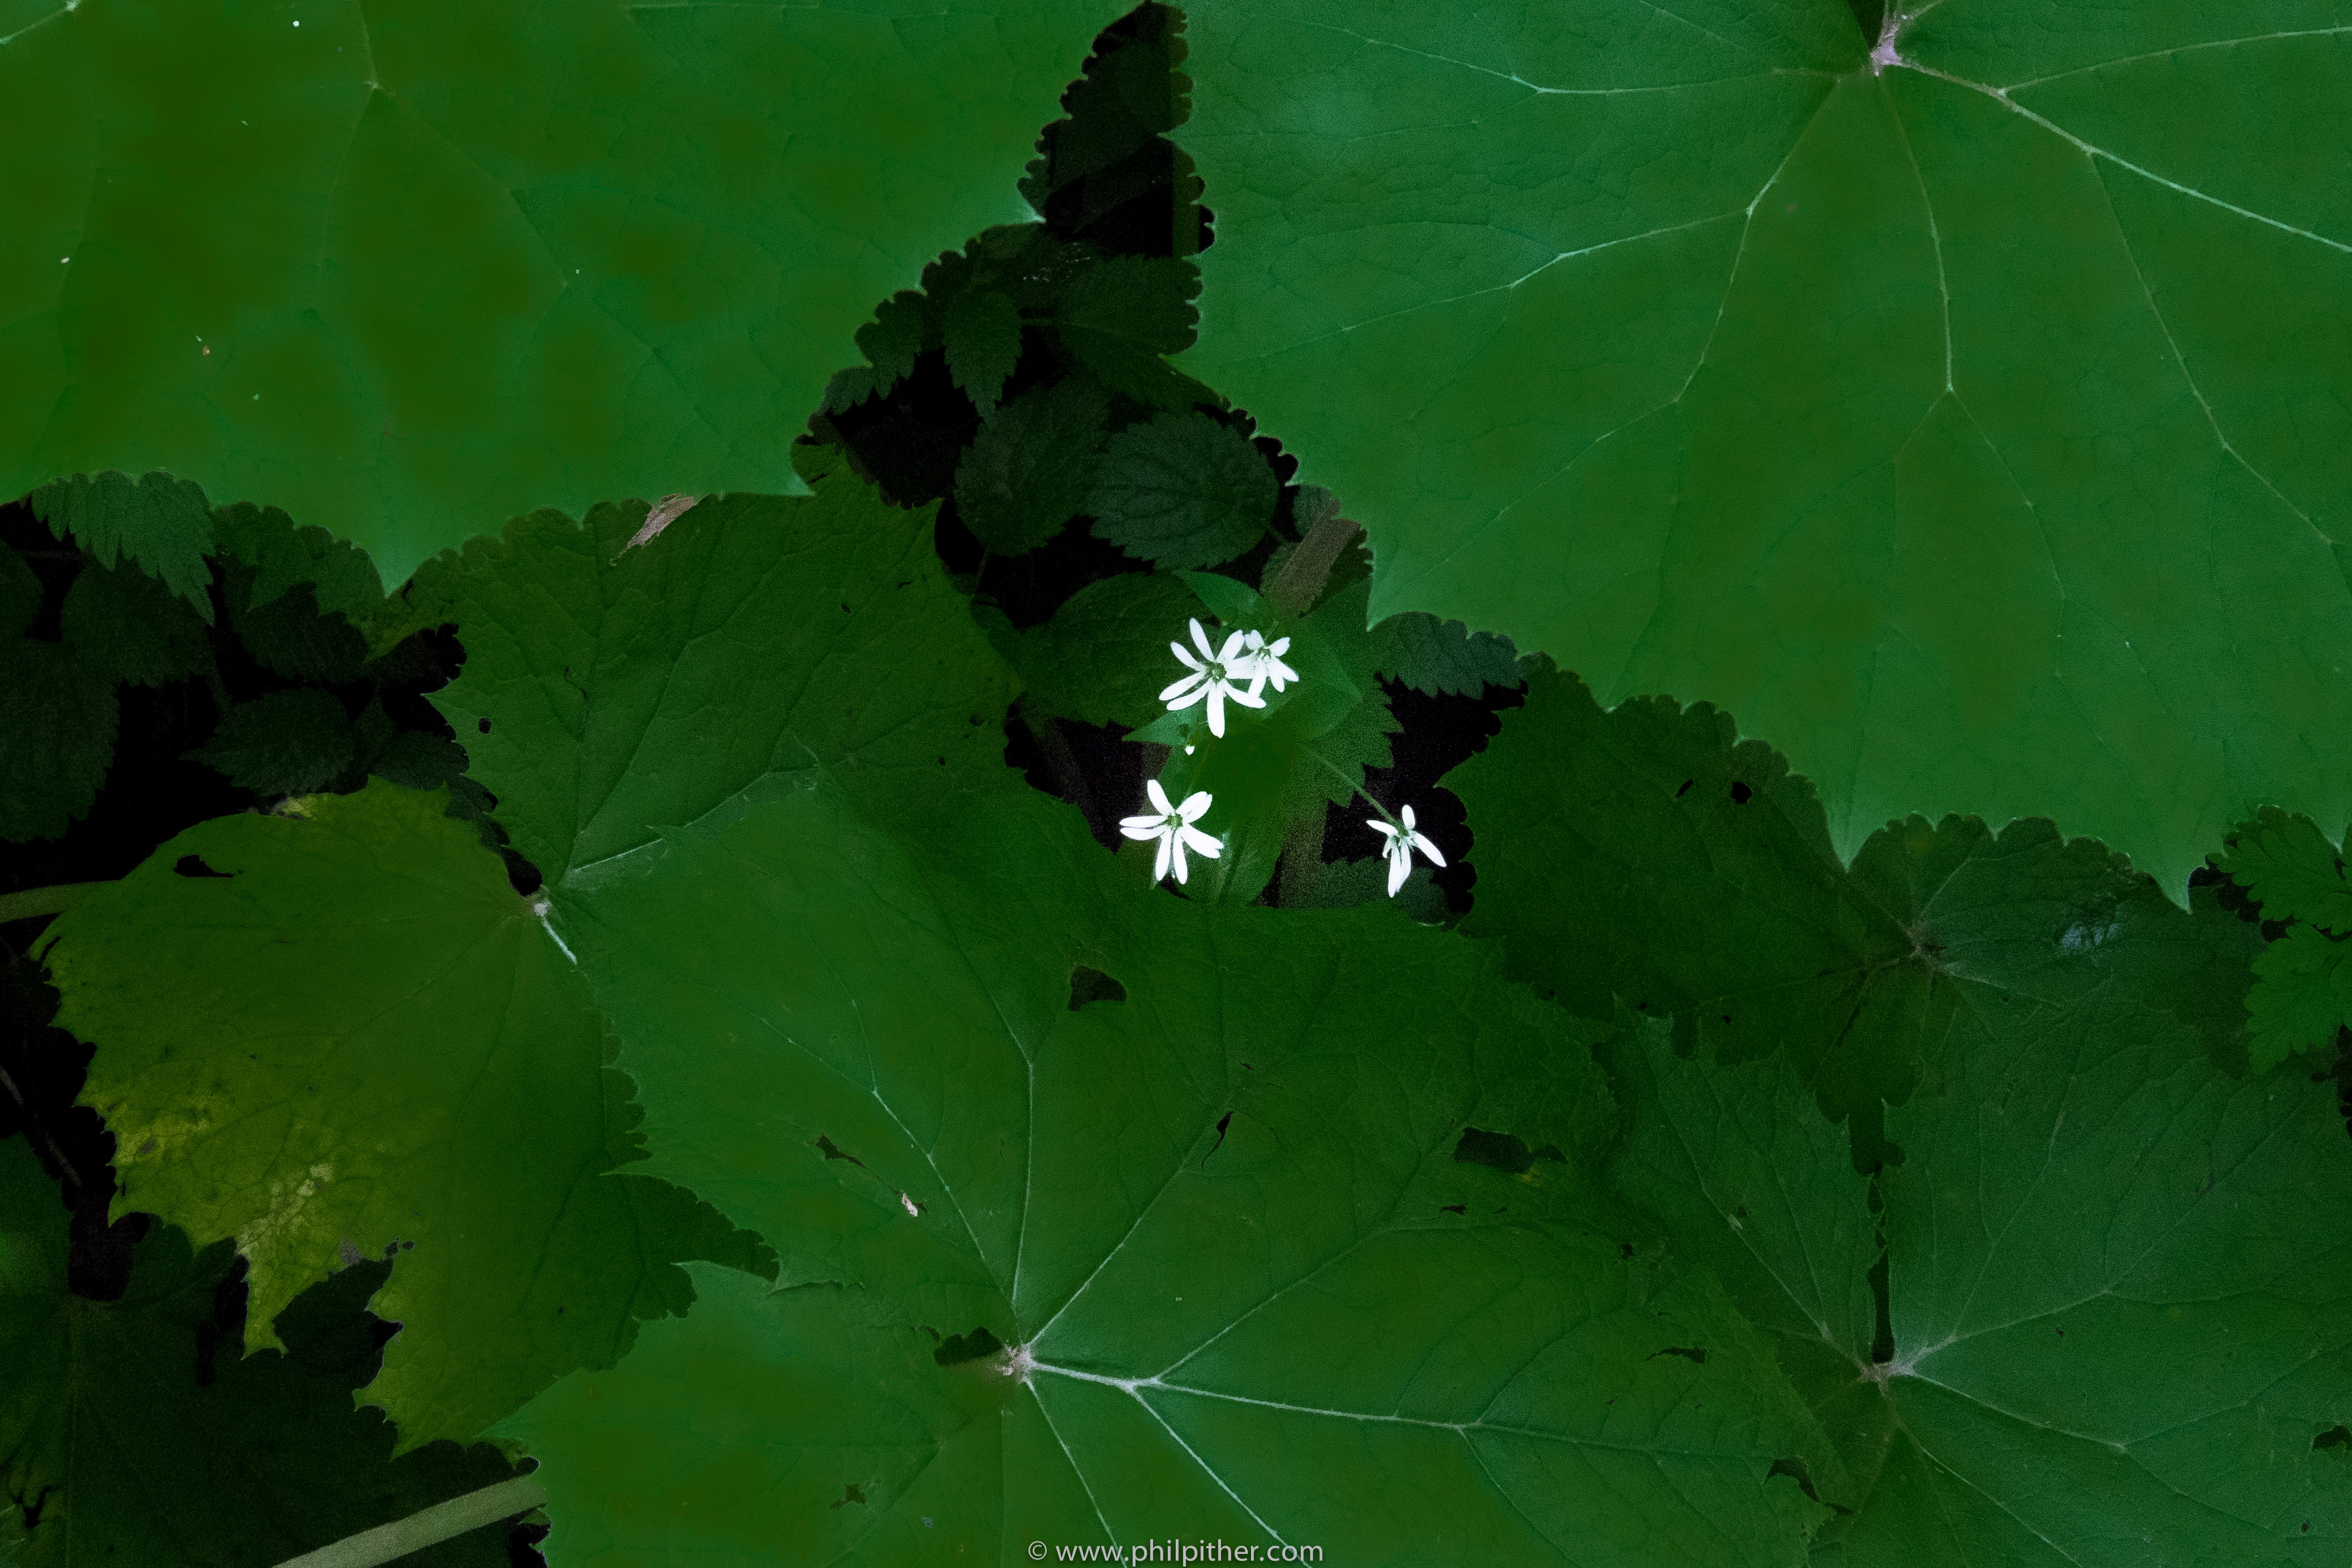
(387, 1543)
(34, 902)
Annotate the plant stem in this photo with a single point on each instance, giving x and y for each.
(35, 903)
(1300, 582)
(418, 1531)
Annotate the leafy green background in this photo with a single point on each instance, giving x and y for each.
(420, 269)
(1977, 428)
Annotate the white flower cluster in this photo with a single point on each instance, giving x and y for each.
(1239, 671)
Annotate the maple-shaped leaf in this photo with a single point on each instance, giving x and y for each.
(129, 1434)
(1183, 490)
(342, 1029)
(1648, 855)
(2303, 990)
(1033, 465)
(823, 627)
(2114, 1332)
(1198, 1256)
(1962, 398)
(419, 275)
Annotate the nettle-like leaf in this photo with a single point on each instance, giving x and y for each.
(1183, 490)
(1201, 1261)
(1102, 658)
(160, 524)
(1968, 406)
(2117, 1329)
(1032, 466)
(1119, 317)
(1443, 656)
(125, 625)
(128, 1437)
(59, 716)
(2302, 988)
(20, 593)
(399, 273)
(1648, 857)
(339, 1031)
(286, 742)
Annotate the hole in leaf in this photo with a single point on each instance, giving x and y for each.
(958, 1348)
(1224, 1123)
(1686, 789)
(1499, 1150)
(1688, 1352)
(832, 1150)
(1093, 986)
(194, 866)
(1453, 1208)
(1740, 793)
(2336, 1439)
(484, 726)
(853, 1493)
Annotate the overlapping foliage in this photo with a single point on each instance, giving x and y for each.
(801, 1140)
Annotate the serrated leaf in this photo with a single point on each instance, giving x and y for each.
(559, 257)
(59, 718)
(1119, 317)
(2302, 996)
(1103, 657)
(823, 627)
(1032, 466)
(1351, 884)
(286, 742)
(161, 524)
(1182, 491)
(981, 331)
(124, 625)
(129, 1436)
(1197, 1211)
(448, 1093)
(2085, 1197)
(1934, 402)
(20, 593)
(292, 634)
(889, 341)
(342, 579)
(1648, 855)
(1443, 656)
(414, 760)
(2292, 869)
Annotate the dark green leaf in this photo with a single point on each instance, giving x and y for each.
(286, 742)
(1433, 656)
(343, 580)
(2302, 996)
(890, 343)
(982, 333)
(123, 625)
(20, 593)
(414, 760)
(2292, 869)
(1033, 465)
(160, 524)
(1119, 317)
(448, 1093)
(59, 717)
(1182, 491)
(1103, 658)
(129, 1436)
(290, 633)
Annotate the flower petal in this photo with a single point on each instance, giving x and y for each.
(1420, 842)
(1174, 696)
(1159, 798)
(1249, 698)
(1176, 843)
(1382, 828)
(1185, 654)
(1140, 827)
(1409, 822)
(1233, 648)
(1159, 863)
(1201, 638)
(1279, 646)
(1217, 709)
(1200, 842)
(1400, 868)
(1194, 804)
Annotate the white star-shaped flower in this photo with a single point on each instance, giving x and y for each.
(1172, 826)
(1401, 843)
(1265, 663)
(1215, 676)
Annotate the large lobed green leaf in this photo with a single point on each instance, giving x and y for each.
(1202, 1258)
(338, 1032)
(421, 266)
(1969, 409)
(1647, 856)
(129, 1435)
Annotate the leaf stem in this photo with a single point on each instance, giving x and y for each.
(433, 1526)
(34, 902)
(1300, 582)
